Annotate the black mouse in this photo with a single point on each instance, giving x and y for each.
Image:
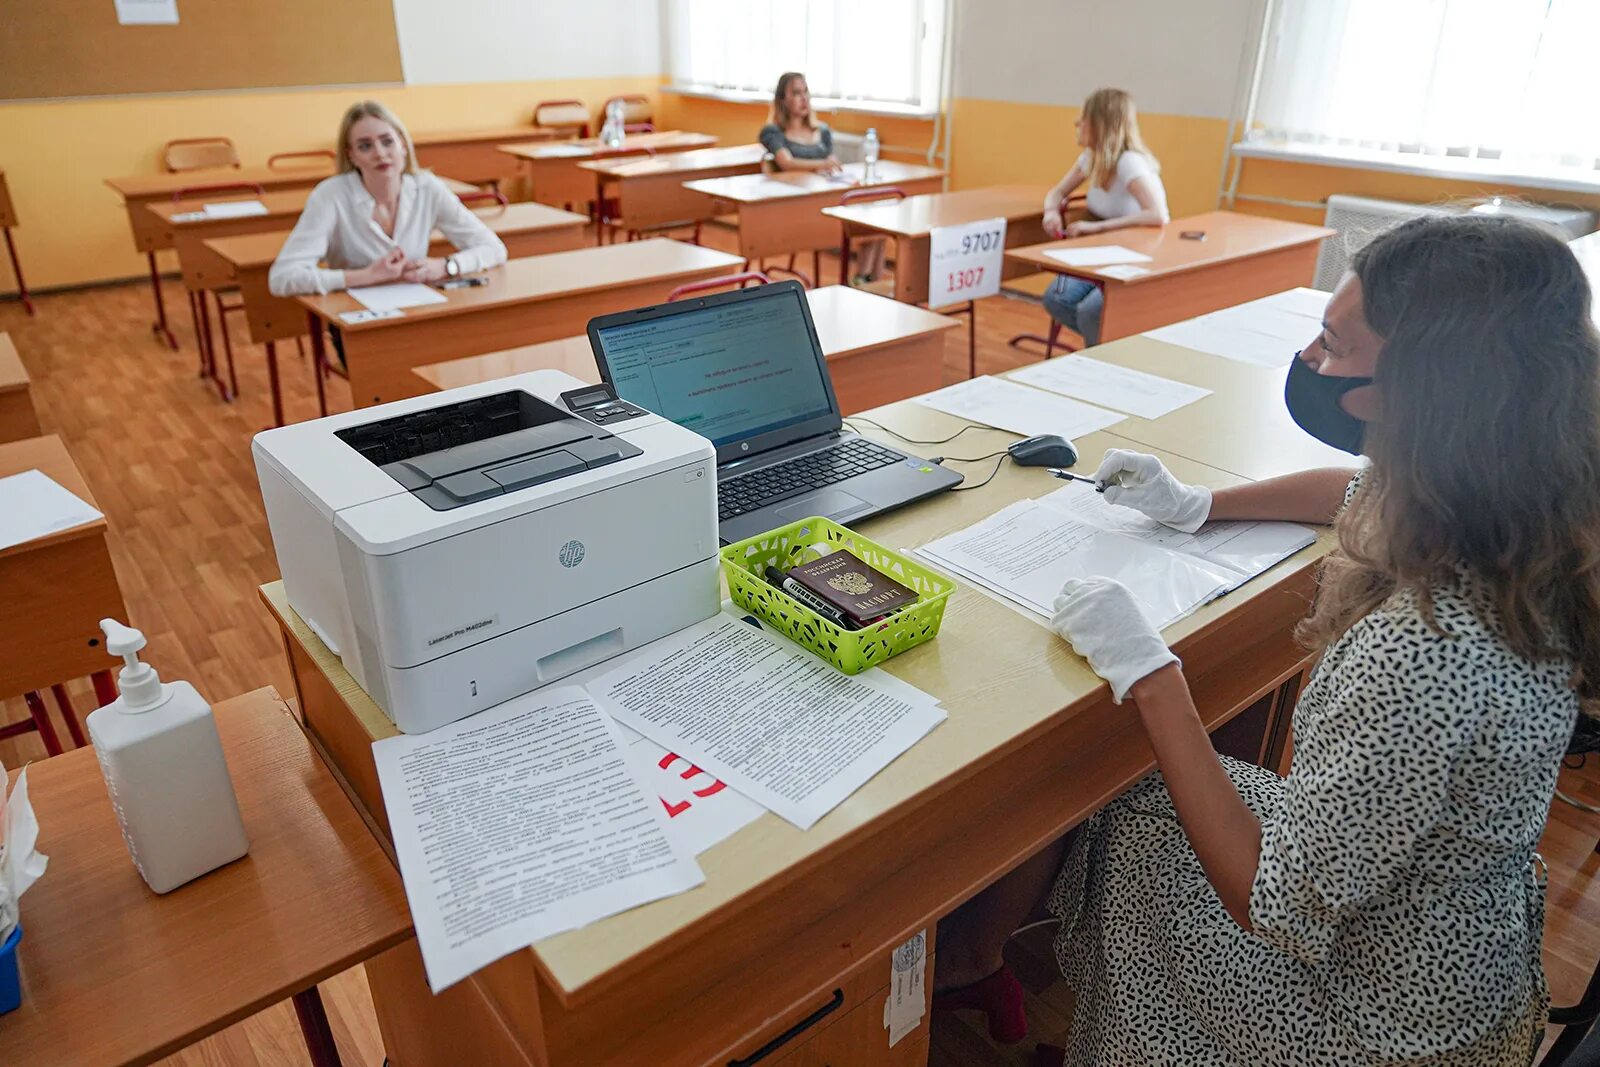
(1045, 450)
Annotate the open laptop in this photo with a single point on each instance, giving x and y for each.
(745, 370)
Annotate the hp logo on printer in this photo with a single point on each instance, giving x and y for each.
(571, 554)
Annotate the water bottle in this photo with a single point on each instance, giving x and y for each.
(869, 155)
(611, 134)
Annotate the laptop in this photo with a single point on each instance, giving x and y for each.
(745, 369)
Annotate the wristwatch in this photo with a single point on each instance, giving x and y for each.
(452, 269)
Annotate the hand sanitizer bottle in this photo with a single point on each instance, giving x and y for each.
(163, 764)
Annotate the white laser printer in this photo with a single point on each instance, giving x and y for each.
(460, 549)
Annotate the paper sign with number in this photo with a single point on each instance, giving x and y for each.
(964, 261)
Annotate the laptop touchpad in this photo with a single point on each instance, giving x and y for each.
(835, 504)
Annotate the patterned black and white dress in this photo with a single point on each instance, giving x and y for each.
(1395, 914)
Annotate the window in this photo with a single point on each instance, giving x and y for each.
(877, 55)
(1507, 80)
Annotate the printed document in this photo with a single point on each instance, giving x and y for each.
(33, 504)
(1148, 396)
(395, 296)
(1266, 332)
(1096, 255)
(520, 822)
(1009, 406)
(772, 720)
(234, 209)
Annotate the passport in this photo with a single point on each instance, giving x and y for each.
(861, 591)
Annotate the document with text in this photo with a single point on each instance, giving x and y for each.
(1149, 396)
(1006, 405)
(1266, 332)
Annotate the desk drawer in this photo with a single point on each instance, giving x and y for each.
(860, 1040)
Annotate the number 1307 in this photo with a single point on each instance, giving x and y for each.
(964, 279)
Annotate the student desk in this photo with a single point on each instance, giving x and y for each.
(54, 590)
(878, 351)
(781, 213)
(472, 155)
(113, 973)
(647, 194)
(8, 219)
(1242, 257)
(792, 923)
(17, 416)
(553, 169)
(540, 298)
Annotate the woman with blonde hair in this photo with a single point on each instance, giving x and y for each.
(1124, 190)
(373, 221)
(1383, 903)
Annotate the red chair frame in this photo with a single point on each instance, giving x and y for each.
(200, 308)
(491, 195)
(741, 280)
(1053, 339)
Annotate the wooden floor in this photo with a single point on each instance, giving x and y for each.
(170, 465)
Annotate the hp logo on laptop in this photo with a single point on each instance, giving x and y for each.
(744, 446)
(571, 554)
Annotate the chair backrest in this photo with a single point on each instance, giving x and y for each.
(749, 277)
(638, 127)
(188, 192)
(635, 108)
(199, 153)
(572, 115)
(478, 196)
(310, 158)
(861, 196)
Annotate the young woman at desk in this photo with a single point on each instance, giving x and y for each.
(373, 221)
(1384, 902)
(1124, 190)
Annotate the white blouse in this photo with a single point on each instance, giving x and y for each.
(337, 227)
(1117, 200)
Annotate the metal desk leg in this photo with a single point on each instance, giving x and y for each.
(314, 1028)
(319, 356)
(159, 327)
(272, 380)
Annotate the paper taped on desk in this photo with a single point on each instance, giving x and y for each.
(460, 549)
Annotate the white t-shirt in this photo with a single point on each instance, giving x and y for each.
(1117, 201)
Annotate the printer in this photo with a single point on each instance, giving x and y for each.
(463, 548)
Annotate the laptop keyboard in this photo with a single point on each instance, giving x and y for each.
(768, 485)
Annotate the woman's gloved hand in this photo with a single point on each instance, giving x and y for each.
(1143, 483)
(1102, 622)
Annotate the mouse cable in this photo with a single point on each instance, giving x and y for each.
(1003, 454)
(911, 440)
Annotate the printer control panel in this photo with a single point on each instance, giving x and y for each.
(600, 404)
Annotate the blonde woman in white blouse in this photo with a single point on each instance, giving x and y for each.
(373, 221)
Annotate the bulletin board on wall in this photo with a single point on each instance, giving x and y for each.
(69, 48)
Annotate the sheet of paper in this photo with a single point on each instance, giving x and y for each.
(520, 822)
(1096, 255)
(701, 810)
(561, 150)
(1265, 332)
(395, 296)
(1028, 550)
(1009, 406)
(775, 722)
(903, 1007)
(235, 209)
(32, 504)
(147, 12)
(1148, 396)
(1124, 271)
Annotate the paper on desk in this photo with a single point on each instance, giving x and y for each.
(1265, 332)
(520, 822)
(20, 863)
(1124, 271)
(1148, 396)
(32, 504)
(1009, 406)
(234, 209)
(565, 150)
(396, 295)
(1095, 255)
(772, 720)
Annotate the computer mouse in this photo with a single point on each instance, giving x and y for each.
(1044, 450)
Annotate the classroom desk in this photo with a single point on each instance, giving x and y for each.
(18, 419)
(113, 973)
(540, 298)
(647, 194)
(790, 922)
(8, 219)
(556, 178)
(54, 590)
(910, 222)
(1242, 257)
(472, 155)
(878, 350)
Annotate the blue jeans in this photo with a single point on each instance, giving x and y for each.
(1076, 304)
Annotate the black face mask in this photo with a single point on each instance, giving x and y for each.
(1313, 402)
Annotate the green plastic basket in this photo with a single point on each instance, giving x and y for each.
(852, 651)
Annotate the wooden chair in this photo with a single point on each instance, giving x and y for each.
(200, 309)
(635, 112)
(491, 196)
(749, 277)
(569, 116)
(199, 153)
(1077, 207)
(293, 160)
(859, 196)
(39, 718)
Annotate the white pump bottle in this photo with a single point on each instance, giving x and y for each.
(164, 768)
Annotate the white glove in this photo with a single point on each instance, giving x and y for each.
(1102, 622)
(1143, 483)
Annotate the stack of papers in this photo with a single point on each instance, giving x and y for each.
(1096, 255)
(396, 296)
(1266, 332)
(33, 505)
(234, 209)
(1009, 406)
(1148, 396)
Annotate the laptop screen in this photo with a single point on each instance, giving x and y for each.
(728, 371)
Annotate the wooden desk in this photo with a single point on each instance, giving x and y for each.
(540, 298)
(471, 155)
(54, 590)
(553, 169)
(637, 194)
(1243, 257)
(1032, 746)
(18, 419)
(878, 350)
(782, 213)
(8, 219)
(112, 973)
(909, 222)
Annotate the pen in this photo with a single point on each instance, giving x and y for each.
(1068, 476)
